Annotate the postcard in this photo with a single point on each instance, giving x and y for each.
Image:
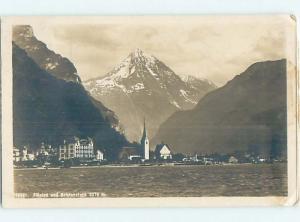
(149, 111)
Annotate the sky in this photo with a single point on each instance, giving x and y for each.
(212, 47)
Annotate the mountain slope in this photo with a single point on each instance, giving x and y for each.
(47, 109)
(247, 114)
(141, 87)
(48, 60)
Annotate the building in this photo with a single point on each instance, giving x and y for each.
(43, 148)
(195, 158)
(67, 150)
(46, 149)
(141, 152)
(76, 148)
(145, 144)
(30, 156)
(84, 149)
(99, 155)
(163, 151)
(24, 154)
(129, 153)
(16, 155)
(232, 159)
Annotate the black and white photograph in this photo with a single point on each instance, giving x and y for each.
(147, 108)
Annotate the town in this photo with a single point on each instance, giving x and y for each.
(76, 151)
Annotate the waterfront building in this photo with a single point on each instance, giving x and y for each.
(67, 149)
(43, 148)
(141, 152)
(30, 156)
(262, 160)
(24, 154)
(84, 149)
(232, 159)
(99, 155)
(195, 158)
(129, 153)
(16, 155)
(163, 151)
(208, 160)
(77, 148)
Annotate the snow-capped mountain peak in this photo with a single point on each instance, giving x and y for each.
(187, 78)
(193, 79)
(142, 86)
(140, 71)
(136, 66)
(138, 56)
(127, 66)
(137, 53)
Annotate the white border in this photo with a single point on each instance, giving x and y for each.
(7, 171)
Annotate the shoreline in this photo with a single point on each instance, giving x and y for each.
(144, 166)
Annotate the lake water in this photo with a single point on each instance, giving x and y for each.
(158, 181)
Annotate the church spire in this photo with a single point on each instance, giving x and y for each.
(145, 131)
(145, 143)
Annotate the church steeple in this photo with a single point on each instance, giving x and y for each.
(144, 131)
(145, 143)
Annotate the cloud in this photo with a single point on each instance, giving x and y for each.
(216, 48)
(87, 35)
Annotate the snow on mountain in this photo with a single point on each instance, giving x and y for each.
(196, 80)
(53, 63)
(128, 69)
(143, 86)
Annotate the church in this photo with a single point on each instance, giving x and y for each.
(145, 144)
(142, 152)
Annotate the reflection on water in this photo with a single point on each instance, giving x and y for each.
(163, 181)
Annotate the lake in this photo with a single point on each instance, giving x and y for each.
(158, 181)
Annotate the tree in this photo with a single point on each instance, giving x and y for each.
(178, 156)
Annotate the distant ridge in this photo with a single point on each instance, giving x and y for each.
(248, 114)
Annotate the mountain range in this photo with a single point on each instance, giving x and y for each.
(191, 115)
(46, 59)
(48, 108)
(142, 87)
(248, 114)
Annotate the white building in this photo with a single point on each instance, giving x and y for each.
(67, 150)
(99, 155)
(163, 151)
(233, 160)
(24, 154)
(76, 148)
(84, 149)
(43, 148)
(16, 155)
(145, 144)
(30, 156)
